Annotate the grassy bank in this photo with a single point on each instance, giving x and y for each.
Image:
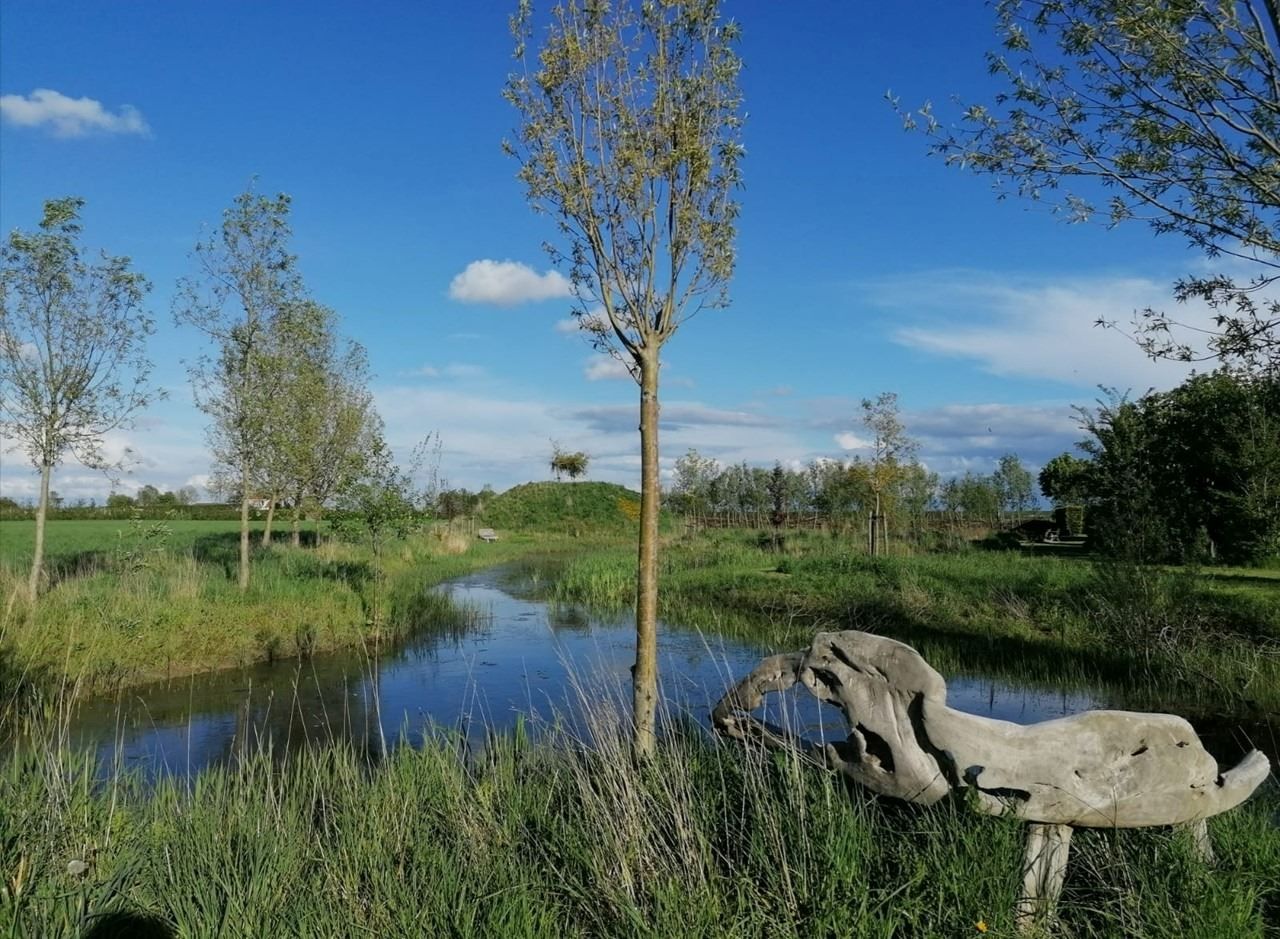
(1197, 639)
(129, 603)
(557, 840)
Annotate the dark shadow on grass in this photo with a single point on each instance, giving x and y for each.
(220, 549)
(63, 567)
(124, 924)
(1251, 580)
(20, 689)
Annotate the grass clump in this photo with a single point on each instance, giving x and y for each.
(1161, 636)
(154, 601)
(555, 838)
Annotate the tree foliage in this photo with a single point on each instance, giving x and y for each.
(322, 424)
(1065, 479)
(73, 364)
(1013, 483)
(1163, 112)
(245, 283)
(568, 463)
(629, 138)
(1188, 474)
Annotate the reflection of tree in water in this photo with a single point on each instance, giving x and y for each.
(221, 718)
(313, 708)
(567, 616)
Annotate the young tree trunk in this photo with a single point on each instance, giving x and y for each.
(271, 514)
(244, 529)
(644, 674)
(297, 524)
(42, 510)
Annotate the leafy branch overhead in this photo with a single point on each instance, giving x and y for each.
(1167, 113)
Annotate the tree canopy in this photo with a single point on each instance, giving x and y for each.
(73, 364)
(1182, 475)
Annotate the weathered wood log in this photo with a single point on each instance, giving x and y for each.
(1099, 769)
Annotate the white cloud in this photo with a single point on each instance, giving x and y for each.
(1041, 329)
(161, 453)
(848, 441)
(504, 439)
(70, 117)
(459, 370)
(672, 416)
(507, 283)
(606, 368)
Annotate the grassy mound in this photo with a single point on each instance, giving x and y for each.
(565, 508)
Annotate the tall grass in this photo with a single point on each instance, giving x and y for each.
(1157, 635)
(561, 838)
(148, 610)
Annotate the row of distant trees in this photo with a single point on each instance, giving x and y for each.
(845, 490)
(291, 419)
(889, 490)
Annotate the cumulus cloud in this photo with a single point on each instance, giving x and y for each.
(606, 368)
(507, 283)
(160, 453)
(955, 438)
(1042, 329)
(70, 117)
(848, 441)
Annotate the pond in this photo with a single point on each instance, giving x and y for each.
(520, 660)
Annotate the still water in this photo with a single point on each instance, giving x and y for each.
(521, 660)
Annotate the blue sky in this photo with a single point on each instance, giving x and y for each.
(864, 264)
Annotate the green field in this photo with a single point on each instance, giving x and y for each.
(91, 542)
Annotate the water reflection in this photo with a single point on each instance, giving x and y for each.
(521, 657)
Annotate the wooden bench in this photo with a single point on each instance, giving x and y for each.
(487, 534)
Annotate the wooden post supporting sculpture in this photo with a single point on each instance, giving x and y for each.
(1099, 769)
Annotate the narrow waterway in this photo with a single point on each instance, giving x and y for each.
(520, 660)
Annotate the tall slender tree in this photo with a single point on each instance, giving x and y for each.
(73, 363)
(891, 451)
(245, 279)
(629, 137)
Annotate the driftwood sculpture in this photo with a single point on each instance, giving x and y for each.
(1099, 769)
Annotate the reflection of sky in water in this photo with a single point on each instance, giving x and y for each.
(522, 658)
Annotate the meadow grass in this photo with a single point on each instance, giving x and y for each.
(1203, 640)
(546, 834)
(558, 839)
(128, 603)
(86, 543)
